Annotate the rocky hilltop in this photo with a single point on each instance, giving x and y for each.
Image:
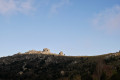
(29, 66)
(45, 51)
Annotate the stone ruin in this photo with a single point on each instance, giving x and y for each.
(32, 51)
(61, 53)
(45, 51)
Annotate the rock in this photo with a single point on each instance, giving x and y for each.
(61, 53)
(62, 72)
(20, 72)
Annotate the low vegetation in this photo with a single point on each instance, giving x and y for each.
(54, 67)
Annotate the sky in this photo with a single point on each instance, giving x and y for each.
(76, 27)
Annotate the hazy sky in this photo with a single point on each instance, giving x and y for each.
(76, 27)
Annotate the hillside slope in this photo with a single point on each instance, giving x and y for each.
(54, 67)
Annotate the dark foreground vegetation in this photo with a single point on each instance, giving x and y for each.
(53, 67)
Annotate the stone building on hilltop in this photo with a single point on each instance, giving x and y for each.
(61, 53)
(33, 52)
(45, 51)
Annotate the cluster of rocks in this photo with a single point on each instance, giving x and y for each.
(45, 51)
(113, 55)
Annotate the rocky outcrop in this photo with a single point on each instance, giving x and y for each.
(45, 51)
(61, 53)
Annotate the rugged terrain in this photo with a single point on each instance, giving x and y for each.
(56, 67)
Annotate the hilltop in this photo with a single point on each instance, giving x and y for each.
(45, 51)
(39, 66)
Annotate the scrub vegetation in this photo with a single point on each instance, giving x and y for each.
(56, 67)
